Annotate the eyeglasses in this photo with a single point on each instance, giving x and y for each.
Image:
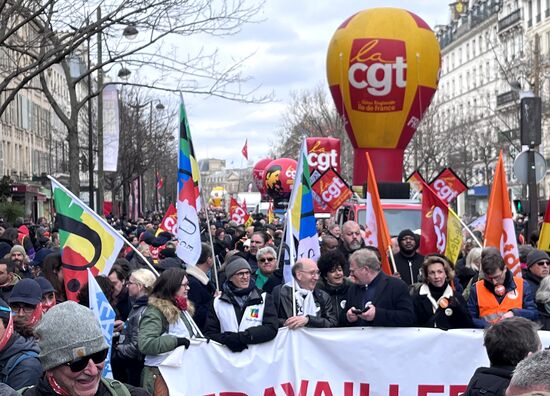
(352, 271)
(267, 259)
(541, 263)
(80, 364)
(493, 278)
(243, 274)
(26, 308)
(312, 273)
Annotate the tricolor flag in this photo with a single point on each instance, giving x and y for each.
(85, 239)
(376, 229)
(245, 149)
(499, 230)
(544, 238)
(441, 228)
(188, 204)
(301, 216)
(105, 315)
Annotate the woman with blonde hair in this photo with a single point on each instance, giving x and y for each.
(126, 354)
(543, 302)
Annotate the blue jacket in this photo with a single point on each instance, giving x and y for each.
(528, 310)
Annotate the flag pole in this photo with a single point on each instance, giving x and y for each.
(292, 251)
(216, 280)
(392, 259)
(466, 227)
(151, 267)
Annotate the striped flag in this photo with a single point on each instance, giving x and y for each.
(188, 203)
(544, 238)
(499, 230)
(86, 240)
(301, 217)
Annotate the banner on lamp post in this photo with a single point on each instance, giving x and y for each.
(111, 128)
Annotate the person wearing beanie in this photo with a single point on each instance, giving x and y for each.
(26, 304)
(19, 364)
(165, 324)
(19, 256)
(538, 267)
(407, 261)
(242, 314)
(73, 352)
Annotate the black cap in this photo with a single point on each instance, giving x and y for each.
(45, 285)
(26, 291)
(405, 233)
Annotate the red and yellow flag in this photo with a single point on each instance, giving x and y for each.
(544, 238)
(270, 214)
(441, 229)
(169, 221)
(416, 181)
(376, 229)
(499, 229)
(237, 212)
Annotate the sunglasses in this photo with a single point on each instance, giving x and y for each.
(267, 259)
(80, 364)
(541, 263)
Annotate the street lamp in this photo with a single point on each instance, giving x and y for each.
(130, 32)
(124, 73)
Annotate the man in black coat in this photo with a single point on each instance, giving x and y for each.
(201, 288)
(507, 343)
(538, 267)
(407, 261)
(376, 299)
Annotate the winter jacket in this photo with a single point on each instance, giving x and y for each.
(533, 280)
(408, 266)
(254, 335)
(275, 279)
(28, 371)
(201, 293)
(115, 389)
(488, 381)
(394, 307)
(342, 248)
(5, 291)
(544, 315)
(528, 310)
(127, 347)
(326, 314)
(123, 305)
(457, 317)
(337, 294)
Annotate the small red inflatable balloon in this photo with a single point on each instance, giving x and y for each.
(258, 174)
(279, 177)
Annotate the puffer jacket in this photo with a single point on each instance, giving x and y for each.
(28, 371)
(326, 314)
(127, 347)
(488, 381)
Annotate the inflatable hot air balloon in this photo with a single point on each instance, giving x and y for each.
(279, 177)
(258, 174)
(383, 69)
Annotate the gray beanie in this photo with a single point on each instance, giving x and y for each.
(67, 332)
(236, 265)
(535, 256)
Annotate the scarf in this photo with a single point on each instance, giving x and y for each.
(236, 295)
(55, 386)
(181, 303)
(36, 315)
(7, 334)
(305, 303)
(48, 306)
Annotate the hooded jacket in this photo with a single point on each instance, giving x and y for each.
(29, 370)
(488, 381)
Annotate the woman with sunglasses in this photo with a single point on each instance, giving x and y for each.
(242, 314)
(436, 303)
(126, 352)
(267, 276)
(165, 323)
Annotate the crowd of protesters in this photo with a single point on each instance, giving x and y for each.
(237, 295)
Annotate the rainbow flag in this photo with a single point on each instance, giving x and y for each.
(86, 240)
(301, 217)
(188, 202)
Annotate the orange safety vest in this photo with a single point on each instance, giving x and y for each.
(489, 308)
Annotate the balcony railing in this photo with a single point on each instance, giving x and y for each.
(509, 20)
(506, 97)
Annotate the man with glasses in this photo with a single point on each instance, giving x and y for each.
(376, 299)
(267, 276)
(499, 294)
(538, 267)
(26, 305)
(242, 314)
(73, 353)
(314, 306)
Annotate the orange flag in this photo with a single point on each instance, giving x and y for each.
(499, 230)
(376, 230)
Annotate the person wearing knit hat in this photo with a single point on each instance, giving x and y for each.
(538, 267)
(19, 256)
(18, 355)
(407, 261)
(242, 314)
(73, 352)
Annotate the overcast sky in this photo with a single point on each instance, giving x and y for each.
(290, 50)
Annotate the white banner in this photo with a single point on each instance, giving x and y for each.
(333, 362)
(111, 124)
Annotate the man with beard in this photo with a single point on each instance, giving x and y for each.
(350, 241)
(8, 278)
(19, 256)
(407, 261)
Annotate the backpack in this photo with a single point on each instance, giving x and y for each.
(13, 362)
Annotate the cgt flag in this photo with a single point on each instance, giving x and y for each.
(448, 185)
(86, 240)
(499, 230)
(188, 204)
(544, 239)
(169, 221)
(237, 213)
(376, 229)
(416, 180)
(441, 228)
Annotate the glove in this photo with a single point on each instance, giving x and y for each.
(232, 341)
(183, 341)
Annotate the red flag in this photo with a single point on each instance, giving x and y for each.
(416, 180)
(245, 149)
(544, 238)
(237, 213)
(159, 180)
(499, 230)
(170, 221)
(447, 185)
(441, 228)
(376, 230)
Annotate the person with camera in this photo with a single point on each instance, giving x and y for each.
(376, 299)
(436, 304)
